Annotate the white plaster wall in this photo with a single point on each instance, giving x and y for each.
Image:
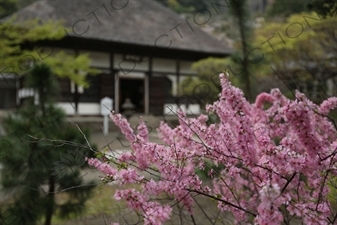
(174, 90)
(193, 109)
(128, 67)
(138, 75)
(98, 59)
(5, 76)
(83, 108)
(185, 67)
(164, 65)
(89, 109)
(171, 109)
(330, 87)
(68, 107)
(53, 51)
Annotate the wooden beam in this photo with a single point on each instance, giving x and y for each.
(117, 84)
(76, 95)
(147, 87)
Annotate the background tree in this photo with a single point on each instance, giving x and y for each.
(23, 3)
(238, 64)
(325, 8)
(17, 56)
(241, 16)
(187, 6)
(176, 6)
(205, 88)
(307, 62)
(7, 7)
(36, 169)
(283, 9)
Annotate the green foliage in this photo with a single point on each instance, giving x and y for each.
(45, 157)
(333, 192)
(284, 9)
(176, 6)
(307, 20)
(213, 119)
(73, 67)
(281, 8)
(206, 86)
(325, 8)
(210, 170)
(7, 7)
(23, 3)
(298, 60)
(240, 13)
(18, 59)
(40, 77)
(196, 4)
(188, 6)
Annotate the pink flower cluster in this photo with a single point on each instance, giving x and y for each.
(153, 212)
(278, 161)
(103, 167)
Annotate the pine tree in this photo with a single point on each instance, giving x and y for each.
(35, 169)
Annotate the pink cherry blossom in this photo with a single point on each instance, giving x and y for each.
(328, 105)
(278, 162)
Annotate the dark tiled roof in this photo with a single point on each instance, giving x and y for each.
(139, 22)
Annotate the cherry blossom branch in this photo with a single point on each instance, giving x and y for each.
(288, 182)
(224, 201)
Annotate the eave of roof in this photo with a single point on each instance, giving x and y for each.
(125, 48)
(137, 23)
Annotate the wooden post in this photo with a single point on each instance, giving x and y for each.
(178, 80)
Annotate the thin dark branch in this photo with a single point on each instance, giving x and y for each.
(333, 220)
(192, 217)
(288, 182)
(332, 154)
(224, 201)
(203, 211)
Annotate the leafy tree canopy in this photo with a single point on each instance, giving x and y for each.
(18, 56)
(305, 32)
(286, 8)
(207, 85)
(187, 6)
(7, 7)
(300, 48)
(325, 8)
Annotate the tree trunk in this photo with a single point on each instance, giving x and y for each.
(246, 72)
(50, 201)
(239, 11)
